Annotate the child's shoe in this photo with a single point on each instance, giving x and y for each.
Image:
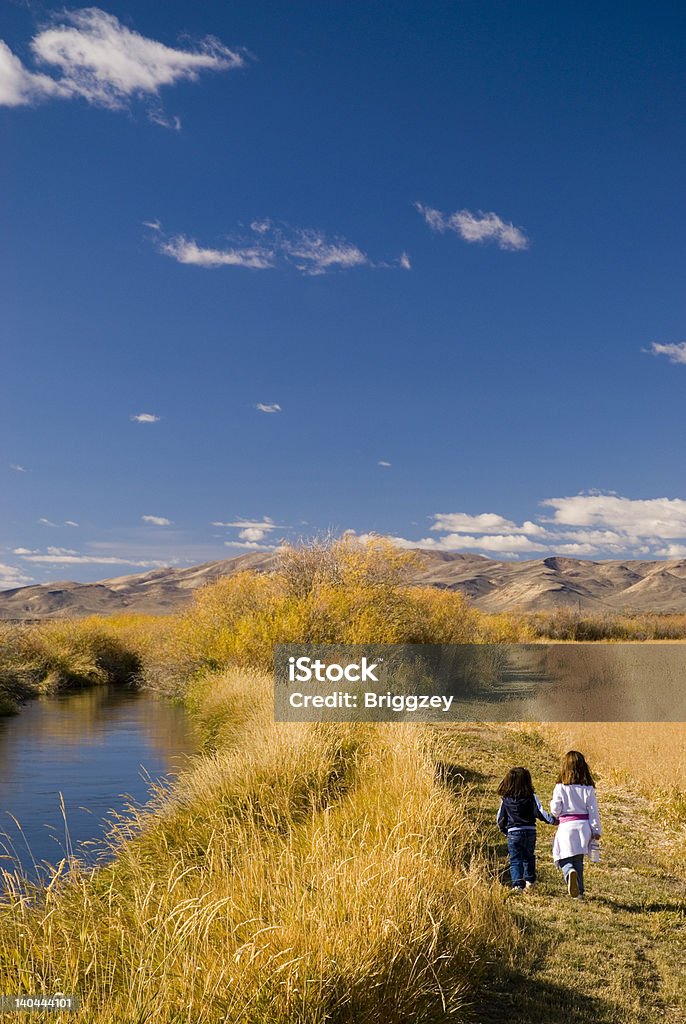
(573, 884)
(529, 885)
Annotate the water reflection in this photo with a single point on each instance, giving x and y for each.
(95, 750)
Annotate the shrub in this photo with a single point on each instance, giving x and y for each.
(338, 591)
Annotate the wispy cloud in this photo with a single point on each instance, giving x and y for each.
(312, 253)
(185, 250)
(157, 520)
(48, 522)
(268, 407)
(476, 227)
(70, 522)
(269, 245)
(382, 462)
(17, 468)
(250, 545)
(90, 54)
(11, 577)
(145, 417)
(160, 118)
(675, 353)
(65, 556)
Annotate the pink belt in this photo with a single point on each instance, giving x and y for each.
(573, 817)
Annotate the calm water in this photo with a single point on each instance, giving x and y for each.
(96, 750)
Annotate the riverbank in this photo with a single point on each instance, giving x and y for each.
(56, 657)
(295, 873)
(302, 873)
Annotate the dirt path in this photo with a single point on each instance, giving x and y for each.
(617, 958)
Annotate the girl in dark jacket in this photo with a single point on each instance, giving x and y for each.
(519, 809)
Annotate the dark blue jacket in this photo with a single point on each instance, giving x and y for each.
(521, 814)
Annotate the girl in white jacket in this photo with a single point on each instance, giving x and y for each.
(575, 807)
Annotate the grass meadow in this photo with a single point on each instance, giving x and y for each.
(327, 873)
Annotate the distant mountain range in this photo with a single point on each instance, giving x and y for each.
(539, 585)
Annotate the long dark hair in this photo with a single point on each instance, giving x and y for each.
(517, 784)
(575, 771)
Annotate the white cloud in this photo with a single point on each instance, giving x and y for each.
(47, 522)
(502, 544)
(592, 524)
(675, 353)
(268, 407)
(308, 251)
(20, 87)
(263, 524)
(26, 551)
(11, 577)
(70, 522)
(54, 556)
(250, 545)
(17, 468)
(382, 462)
(652, 518)
(476, 227)
(145, 417)
(672, 551)
(461, 522)
(185, 250)
(157, 520)
(251, 531)
(312, 253)
(158, 117)
(90, 54)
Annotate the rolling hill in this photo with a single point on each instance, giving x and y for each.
(536, 585)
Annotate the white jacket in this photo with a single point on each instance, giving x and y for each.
(573, 837)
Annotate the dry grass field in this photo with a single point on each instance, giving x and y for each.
(344, 874)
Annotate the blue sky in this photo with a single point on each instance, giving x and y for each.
(414, 269)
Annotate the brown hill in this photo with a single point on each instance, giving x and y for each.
(537, 585)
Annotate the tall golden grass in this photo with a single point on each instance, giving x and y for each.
(311, 873)
(651, 754)
(571, 625)
(47, 657)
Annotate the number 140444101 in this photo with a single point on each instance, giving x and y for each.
(35, 1003)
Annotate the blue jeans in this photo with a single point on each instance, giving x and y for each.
(521, 847)
(576, 862)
